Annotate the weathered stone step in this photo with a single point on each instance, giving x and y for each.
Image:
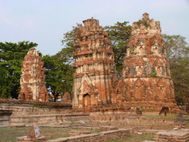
(52, 119)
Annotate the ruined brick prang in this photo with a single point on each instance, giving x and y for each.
(146, 71)
(32, 80)
(94, 63)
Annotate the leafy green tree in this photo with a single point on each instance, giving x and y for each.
(11, 57)
(177, 47)
(66, 54)
(58, 76)
(119, 34)
(59, 69)
(178, 54)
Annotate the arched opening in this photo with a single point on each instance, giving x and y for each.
(86, 100)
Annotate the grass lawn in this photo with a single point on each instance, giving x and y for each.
(170, 116)
(134, 138)
(9, 134)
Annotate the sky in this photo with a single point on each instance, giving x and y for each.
(46, 21)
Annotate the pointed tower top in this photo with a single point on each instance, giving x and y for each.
(145, 16)
(91, 22)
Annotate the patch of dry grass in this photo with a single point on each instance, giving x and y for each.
(134, 138)
(9, 134)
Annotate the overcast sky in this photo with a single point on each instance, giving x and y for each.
(45, 21)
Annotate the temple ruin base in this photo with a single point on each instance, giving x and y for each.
(179, 135)
(27, 139)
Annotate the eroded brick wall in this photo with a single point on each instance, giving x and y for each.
(146, 72)
(146, 80)
(32, 80)
(94, 63)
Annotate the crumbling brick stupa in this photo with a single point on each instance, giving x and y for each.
(146, 72)
(94, 63)
(146, 81)
(32, 80)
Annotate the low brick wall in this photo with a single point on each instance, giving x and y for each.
(25, 110)
(26, 115)
(49, 120)
(180, 135)
(27, 139)
(124, 119)
(97, 137)
(5, 117)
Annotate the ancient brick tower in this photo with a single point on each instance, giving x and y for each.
(146, 72)
(94, 63)
(32, 80)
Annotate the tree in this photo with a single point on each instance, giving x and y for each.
(178, 54)
(66, 54)
(59, 69)
(176, 46)
(11, 57)
(119, 35)
(58, 76)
